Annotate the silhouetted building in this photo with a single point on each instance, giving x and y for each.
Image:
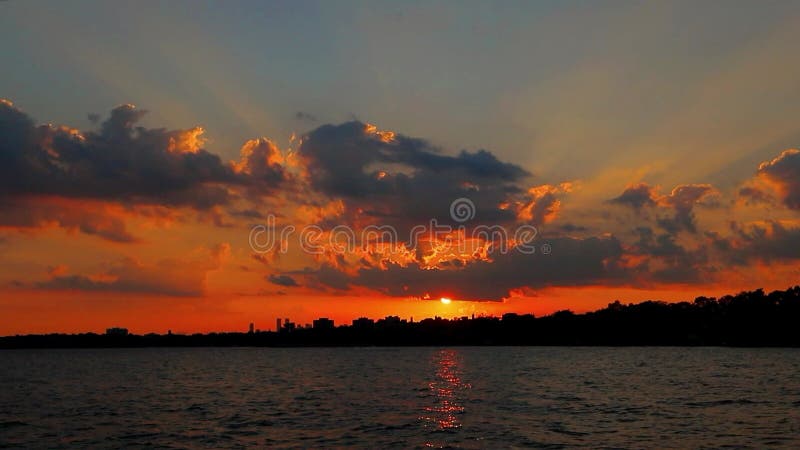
(251, 330)
(390, 320)
(278, 325)
(323, 323)
(288, 325)
(363, 323)
(115, 331)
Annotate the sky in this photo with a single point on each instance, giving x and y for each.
(148, 151)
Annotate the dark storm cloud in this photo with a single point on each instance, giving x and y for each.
(660, 245)
(324, 278)
(753, 195)
(666, 260)
(637, 196)
(83, 283)
(23, 213)
(328, 275)
(390, 175)
(128, 276)
(172, 277)
(573, 262)
(120, 162)
(571, 228)
(377, 174)
(247, 214)
(282, 280)
(767, 242)
(682, 201)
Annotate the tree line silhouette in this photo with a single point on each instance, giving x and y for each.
(751, 318)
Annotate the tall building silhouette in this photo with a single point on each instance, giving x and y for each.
(323, 323)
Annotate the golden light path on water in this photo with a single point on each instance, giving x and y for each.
(445, 389)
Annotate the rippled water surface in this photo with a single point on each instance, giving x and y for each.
(400, 397)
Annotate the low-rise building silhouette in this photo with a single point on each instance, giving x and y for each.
(117, 331)
(323, 323)
(363, 323)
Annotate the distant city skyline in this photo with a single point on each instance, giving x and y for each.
(753, 318)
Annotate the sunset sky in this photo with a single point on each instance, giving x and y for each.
(651, 145)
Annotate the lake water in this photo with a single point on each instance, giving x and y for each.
(474, 397)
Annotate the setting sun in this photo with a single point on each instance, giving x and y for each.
(445, 300)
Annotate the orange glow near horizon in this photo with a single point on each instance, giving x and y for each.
(40, 312)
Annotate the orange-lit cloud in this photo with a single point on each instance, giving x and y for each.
(163, 195)
(783, 175)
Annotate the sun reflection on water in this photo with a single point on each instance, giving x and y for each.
(446, 390)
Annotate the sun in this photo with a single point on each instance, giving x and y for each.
(445, 300)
